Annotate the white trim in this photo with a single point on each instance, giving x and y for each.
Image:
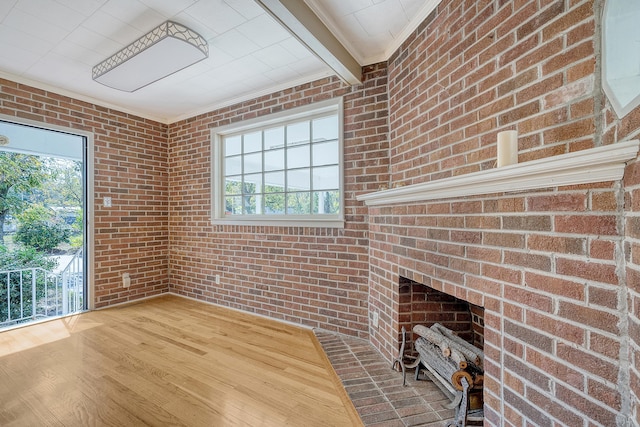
(280, 222)
(218, 216)
(600, 164)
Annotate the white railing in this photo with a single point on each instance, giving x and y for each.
(34, 293)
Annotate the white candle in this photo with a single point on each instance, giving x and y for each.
(507, 148)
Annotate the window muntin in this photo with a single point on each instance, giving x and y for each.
(289, 168)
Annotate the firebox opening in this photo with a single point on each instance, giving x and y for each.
(423, 305)
(447, 344)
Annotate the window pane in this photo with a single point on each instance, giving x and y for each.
(299, 203)
(253, 163)
(274, 204)
(233, 185)
(325, 153)
(274, 138)
(298, 133)
(252, 205)
(252, 184)
(326, 178)
(253, 142)
(274, 160)
(298, 157)
(325, 128)
(274, 182)
(298, 180)
(233, 205)
(233, 165)
(326, 202)
(232, 145)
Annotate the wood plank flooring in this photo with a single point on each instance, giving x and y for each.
(168, 361)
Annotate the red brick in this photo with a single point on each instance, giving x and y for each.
(599, 272)
(599, 225)
(550, 244)
(557, 286)
(602, 249)
(592, 317)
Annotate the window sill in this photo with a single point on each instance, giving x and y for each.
(281, 222)
(600, 164)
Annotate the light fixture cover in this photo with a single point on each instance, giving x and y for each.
(168, 48)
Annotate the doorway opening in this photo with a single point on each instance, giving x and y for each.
(43, 223)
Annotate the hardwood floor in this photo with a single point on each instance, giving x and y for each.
(168, 361)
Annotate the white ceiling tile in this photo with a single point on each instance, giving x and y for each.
(205, 31)
(21, 60)
(34, 26)
(282, 74)
(112, 28)
(235, 44)
(311, 65)
(85, 7)
(58, 67)
(52, 12)
(145, 19)
(381, 17)
(247, 8)
(218, 57)
(5, 7)
(246, 66)
(341, 7)
(80, 53)
(275, 55)
(216, 14)
(294, 47)
(263, 30)
(102, 45)
(169, 9)
(27, 42)
(411, 7)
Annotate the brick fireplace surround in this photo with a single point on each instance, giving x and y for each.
(557, 269)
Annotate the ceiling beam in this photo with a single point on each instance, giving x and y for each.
(305, 25)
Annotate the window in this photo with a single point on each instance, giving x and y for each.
(284, 167)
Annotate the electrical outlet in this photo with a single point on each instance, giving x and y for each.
(126, 280)
(106, 202)
(375, 318)
(217, 279)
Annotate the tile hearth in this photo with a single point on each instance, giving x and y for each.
(376, 390)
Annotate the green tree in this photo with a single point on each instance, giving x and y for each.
(19, 173)
(63, 183)
(39, 228)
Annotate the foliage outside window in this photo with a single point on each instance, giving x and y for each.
(284, 167)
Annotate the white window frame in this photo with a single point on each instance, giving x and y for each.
(217, 168)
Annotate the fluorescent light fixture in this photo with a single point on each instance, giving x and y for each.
(168, 48)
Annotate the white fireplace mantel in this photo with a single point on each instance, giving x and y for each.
(600, 164)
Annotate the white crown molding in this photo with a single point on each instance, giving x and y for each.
(600, 164)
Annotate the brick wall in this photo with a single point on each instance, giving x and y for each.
(556, 269)
(130, 166)
(314, 276)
